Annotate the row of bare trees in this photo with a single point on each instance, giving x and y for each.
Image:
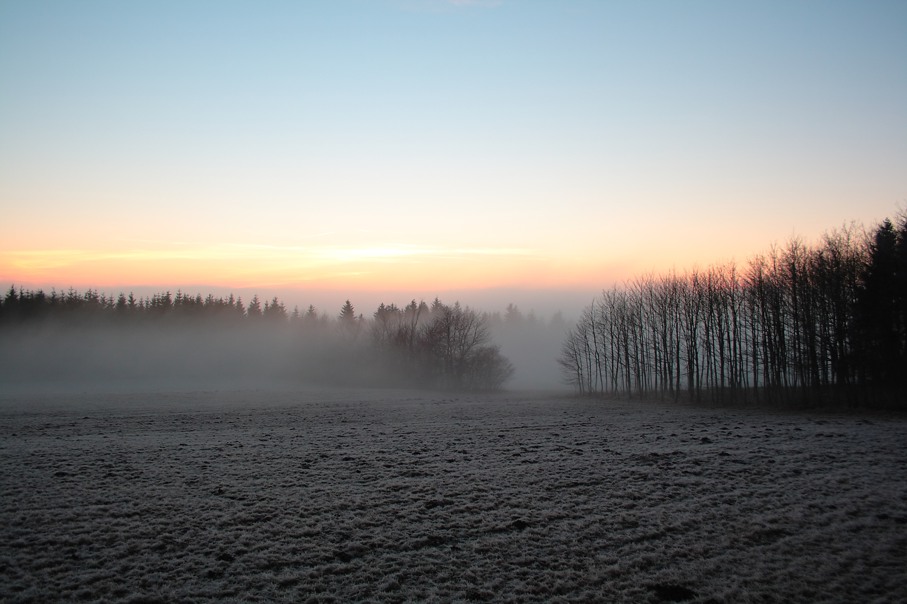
(804, 321)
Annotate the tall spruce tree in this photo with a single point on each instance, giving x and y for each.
(878, 336)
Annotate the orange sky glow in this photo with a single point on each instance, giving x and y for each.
(385, 148)
(274, 268)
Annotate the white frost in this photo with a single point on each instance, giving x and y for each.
(392, 496)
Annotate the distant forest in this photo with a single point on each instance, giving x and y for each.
(437, 346)
(801, 324)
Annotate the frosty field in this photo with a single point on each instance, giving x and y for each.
(408, 496)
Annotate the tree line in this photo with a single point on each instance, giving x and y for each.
(30, 306)
(436, 346)
(812, 324)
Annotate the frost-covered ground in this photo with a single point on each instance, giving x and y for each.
(392, 496)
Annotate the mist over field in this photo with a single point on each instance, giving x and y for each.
(192, 450)
(147, 357)
(103, 354)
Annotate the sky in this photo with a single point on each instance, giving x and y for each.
(392, 149)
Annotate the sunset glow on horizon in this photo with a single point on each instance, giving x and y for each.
(245, 266)
(436, 145)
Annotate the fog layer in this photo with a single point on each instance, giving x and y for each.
(442, 346)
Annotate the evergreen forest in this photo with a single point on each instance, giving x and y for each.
(420, 345)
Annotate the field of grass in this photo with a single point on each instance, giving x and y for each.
(409, 496)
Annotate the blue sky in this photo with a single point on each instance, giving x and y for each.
(373, 144)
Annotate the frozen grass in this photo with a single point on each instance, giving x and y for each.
(390, 496)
